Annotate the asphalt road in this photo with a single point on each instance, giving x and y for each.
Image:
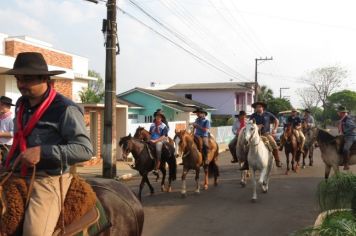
(227, 209)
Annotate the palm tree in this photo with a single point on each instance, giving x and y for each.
(265, 94)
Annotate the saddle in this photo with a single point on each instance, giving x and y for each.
(151, 147)
(83, 213)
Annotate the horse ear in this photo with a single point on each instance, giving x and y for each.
(253, 121)
(130, 135)
(176, 131)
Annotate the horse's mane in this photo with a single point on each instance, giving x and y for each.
(325, 136)
(124, 140)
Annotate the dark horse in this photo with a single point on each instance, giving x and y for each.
(308, 145)
(144, 163)
(330, 147)
(122, 208)
(291, 147)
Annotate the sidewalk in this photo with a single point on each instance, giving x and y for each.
(124, 171)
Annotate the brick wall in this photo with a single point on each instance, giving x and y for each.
(63, 86)
(12, 48)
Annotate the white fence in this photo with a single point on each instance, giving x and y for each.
(222, 134)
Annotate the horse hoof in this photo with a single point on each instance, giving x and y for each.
(169, 189)
(243, 184)
(206, 187)
(287, 172)
(253, 200)
(303, 167)
(183, 195)
(197, 191)
(163, 189)
(216, 184)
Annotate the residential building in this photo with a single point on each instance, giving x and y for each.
(227, 98)
(175, 108)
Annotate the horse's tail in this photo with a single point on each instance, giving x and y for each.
(213, 169)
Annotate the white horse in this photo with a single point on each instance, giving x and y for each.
(259, 157)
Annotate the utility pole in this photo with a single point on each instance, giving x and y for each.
(256, 72)
(280, 91)
(108, 151)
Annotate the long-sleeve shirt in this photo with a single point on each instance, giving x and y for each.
(237, 126)
(61, 133)
(347, 126)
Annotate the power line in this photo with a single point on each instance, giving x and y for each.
(198, 58)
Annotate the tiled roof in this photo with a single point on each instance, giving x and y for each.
(171, 99)
(210, 86)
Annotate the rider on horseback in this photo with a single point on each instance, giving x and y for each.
(159, 133)
(263, 119)
(236, 128)
(296, 123)
(308, 119)
(348, 128)
(202, 126)
(50, 135)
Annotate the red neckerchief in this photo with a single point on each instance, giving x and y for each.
(6, 115)
(242, 124)
(23, 132)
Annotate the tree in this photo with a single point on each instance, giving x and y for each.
(265, 94)
(309, 97)
(94, 93)
(276, 105)
(346, 98)
(324, 81)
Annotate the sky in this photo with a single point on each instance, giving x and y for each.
(227, 34)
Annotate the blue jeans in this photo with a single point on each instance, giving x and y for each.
(349, 140)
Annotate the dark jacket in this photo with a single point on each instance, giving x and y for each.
(61, 133)
(348, 126)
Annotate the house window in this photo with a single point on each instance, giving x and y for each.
(188, 96)
(148, 119)
(133, 116)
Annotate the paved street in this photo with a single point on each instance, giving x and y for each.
(289, 205)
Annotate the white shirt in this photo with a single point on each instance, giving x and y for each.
(6, 125)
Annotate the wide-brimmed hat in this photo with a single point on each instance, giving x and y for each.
(342, 109)
(6, 100)
(241, 113)
(159, 112)
(259, 103)
(307, 110)
(200, 110)
(31, 63)
(294, 109)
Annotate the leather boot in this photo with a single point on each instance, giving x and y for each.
(276, 158)
(205, 156)
(346, 158)
(245, 166)
(157, 165)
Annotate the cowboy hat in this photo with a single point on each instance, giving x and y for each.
(342, 109)
(31, 63)
(241, 113)
(159, 112)
(6, 100)
(200, 110)
(294, 109)
(259, 103)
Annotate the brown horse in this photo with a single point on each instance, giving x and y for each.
(122, 208)
(308, 145)
(142, 134)
(291, 147)
(192, 159)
